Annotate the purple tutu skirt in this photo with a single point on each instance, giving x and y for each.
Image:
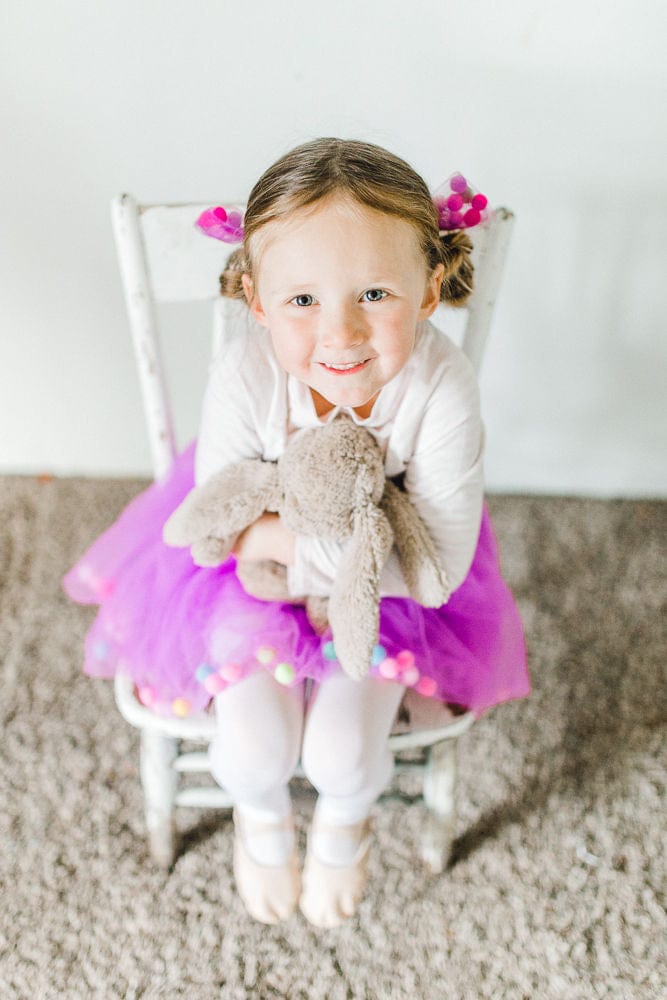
(183, 633)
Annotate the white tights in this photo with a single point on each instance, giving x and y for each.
(340, 733)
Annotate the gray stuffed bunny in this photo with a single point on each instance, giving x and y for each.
(329, 482)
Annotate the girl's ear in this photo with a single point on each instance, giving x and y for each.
(432, 292)
(254, 305)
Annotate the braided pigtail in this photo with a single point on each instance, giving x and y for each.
(231, 286)
(457, 284)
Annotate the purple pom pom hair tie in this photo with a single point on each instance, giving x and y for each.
(221, 224)
(459, 205)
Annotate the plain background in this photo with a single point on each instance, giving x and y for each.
(554, 109)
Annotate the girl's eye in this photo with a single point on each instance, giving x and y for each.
(374, 295)
(303, 300)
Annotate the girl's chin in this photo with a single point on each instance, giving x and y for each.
(326, 400)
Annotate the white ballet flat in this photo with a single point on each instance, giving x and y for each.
(331, 893)
(270, 892)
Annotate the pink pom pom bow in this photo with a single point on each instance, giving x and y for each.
(221, 224)
(459, 205)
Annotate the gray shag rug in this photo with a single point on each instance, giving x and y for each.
(557, 885)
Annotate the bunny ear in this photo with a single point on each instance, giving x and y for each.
(355, 597)
(425, 578)
(212, 515)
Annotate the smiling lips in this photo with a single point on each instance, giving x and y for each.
(350, 369)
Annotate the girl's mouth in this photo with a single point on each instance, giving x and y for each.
(349, 369)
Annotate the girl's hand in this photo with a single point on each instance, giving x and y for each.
(266, 538)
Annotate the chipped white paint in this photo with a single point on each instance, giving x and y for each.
(140, 303)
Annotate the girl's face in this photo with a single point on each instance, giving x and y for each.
(341, 288)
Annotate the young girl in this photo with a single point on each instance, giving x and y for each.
(344, 258)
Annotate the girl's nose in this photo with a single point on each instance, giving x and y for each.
(342, 329)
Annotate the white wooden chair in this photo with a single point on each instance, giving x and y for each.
(164, 259)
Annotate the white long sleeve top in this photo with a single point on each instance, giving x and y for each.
(426, 420)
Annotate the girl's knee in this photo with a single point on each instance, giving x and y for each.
(250, 770)
(345, 750)
(258, 734)
(337, 766)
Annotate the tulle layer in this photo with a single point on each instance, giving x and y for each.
(183, 633)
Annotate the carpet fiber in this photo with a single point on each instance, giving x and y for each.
(557, 886)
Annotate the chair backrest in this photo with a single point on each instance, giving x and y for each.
(163, 258)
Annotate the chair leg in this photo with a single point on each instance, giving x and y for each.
(159, 780)
(439, 798)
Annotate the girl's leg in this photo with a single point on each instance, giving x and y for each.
(346, 756)
(253, 756)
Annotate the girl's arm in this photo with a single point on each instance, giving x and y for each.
(444, 477)
(237, 385)
(227, 432)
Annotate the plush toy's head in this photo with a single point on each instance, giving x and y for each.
(327, 476)
(329, 482)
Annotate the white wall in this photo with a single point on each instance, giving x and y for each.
(555, 109)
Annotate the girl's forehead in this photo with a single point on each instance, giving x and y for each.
(332, 224)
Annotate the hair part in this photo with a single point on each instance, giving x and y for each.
(373, 177)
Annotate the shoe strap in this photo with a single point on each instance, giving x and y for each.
(250, 827)
(355, 830)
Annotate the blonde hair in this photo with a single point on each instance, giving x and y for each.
(373, 177)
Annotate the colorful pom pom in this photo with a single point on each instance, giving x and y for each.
(101, 649)
(409, 676)
(378, 655)
(426, 686)
(180, 707)
(284, 673)
(203, 671)
(221, 225)
(230, 672)
(102, 588)
(405, 659)
(214, 684)
(105, 589)
(329, 651)
(389, 669)
(459, 206)
(147, 696)
(265, 654)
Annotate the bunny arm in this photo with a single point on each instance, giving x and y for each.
(265, 580)
(355, 595)
(213, 514)
(423, 573)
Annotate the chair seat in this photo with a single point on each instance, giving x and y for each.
(420, 721)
